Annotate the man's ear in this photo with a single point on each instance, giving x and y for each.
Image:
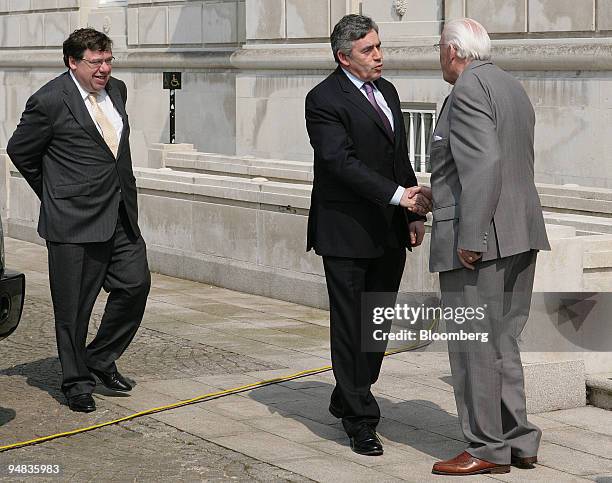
(72, 63)
(344, 59)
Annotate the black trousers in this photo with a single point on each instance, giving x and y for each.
(355, 371)
(77, 273)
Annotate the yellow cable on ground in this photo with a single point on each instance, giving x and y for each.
(211, 395)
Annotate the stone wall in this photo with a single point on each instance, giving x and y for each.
(37, 23)
(549, 17)
(248, 64)
(180, 23)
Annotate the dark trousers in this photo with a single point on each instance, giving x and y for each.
(355, 371)
(77, 273)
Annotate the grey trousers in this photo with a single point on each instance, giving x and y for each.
(488, 377)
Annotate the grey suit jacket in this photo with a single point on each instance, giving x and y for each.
(484, 195)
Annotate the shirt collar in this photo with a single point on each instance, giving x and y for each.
(84, 93)
(356, 80)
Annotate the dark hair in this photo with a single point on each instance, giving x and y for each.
(350, 28)
(82, 39)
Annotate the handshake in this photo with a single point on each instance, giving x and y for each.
(417, 199)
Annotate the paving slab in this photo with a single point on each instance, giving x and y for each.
(543, 474)
(296, 428)
(331, 469)
(196, 339)
(266, 446)
(588, 417)
(572, 461)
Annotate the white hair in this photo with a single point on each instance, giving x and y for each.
(469, 38)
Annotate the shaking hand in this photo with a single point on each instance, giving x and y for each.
(417, 199)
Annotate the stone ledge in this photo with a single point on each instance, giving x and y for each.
(554, 385)
(573, 54)
(599, 389)
(297, 287)
(254, 191)
(132, 59)
(530, 54)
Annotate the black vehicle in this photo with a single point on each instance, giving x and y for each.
(12, 291)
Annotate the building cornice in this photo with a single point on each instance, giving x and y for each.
(532, 54)
(141, 59)
(527, 55)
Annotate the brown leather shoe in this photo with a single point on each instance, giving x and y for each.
(466, 464)
(525, 462)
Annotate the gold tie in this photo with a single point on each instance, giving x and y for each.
(108, 130)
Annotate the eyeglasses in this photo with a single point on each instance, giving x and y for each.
(96, 64)
(437, 46)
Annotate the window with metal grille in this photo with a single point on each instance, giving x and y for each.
(420, 121)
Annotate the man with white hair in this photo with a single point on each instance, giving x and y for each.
(487, 229)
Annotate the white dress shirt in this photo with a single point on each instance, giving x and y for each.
(382, 103)
(107, 106)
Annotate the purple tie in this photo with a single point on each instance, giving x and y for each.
(370, 92)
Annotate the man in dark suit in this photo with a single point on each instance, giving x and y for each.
(72, 147)
(358, 220)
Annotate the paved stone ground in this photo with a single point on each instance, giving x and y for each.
(197, 339)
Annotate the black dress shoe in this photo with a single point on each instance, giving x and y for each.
(335, 411)
(366, 441)
(525, 462)
(112, 380)
(82, 403)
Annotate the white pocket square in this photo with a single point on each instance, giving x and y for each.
(438, 138)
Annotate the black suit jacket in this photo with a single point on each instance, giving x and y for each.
(61, 154)
(357, 169)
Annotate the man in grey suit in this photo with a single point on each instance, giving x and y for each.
(72, 147)
(487, 229)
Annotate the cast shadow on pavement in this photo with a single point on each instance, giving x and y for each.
(6, 415)
(46, 375)
(43, 374)
(419, 424)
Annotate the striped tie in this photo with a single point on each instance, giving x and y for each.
(108, 130)
(369, 88)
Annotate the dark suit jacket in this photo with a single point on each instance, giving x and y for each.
(61, 154)
(357, 169)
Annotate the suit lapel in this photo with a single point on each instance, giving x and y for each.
(76, 105)
(358, 99)
(115, 96)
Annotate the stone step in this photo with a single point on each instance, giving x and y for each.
(599, 390)
(241, 166)
(552, 385)
(584, 224)
(575, 191)
(597, 259)
(598, 243)
(597, 281)
(571, 204)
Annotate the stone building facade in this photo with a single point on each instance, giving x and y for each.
(247, 65)
(228, 204)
